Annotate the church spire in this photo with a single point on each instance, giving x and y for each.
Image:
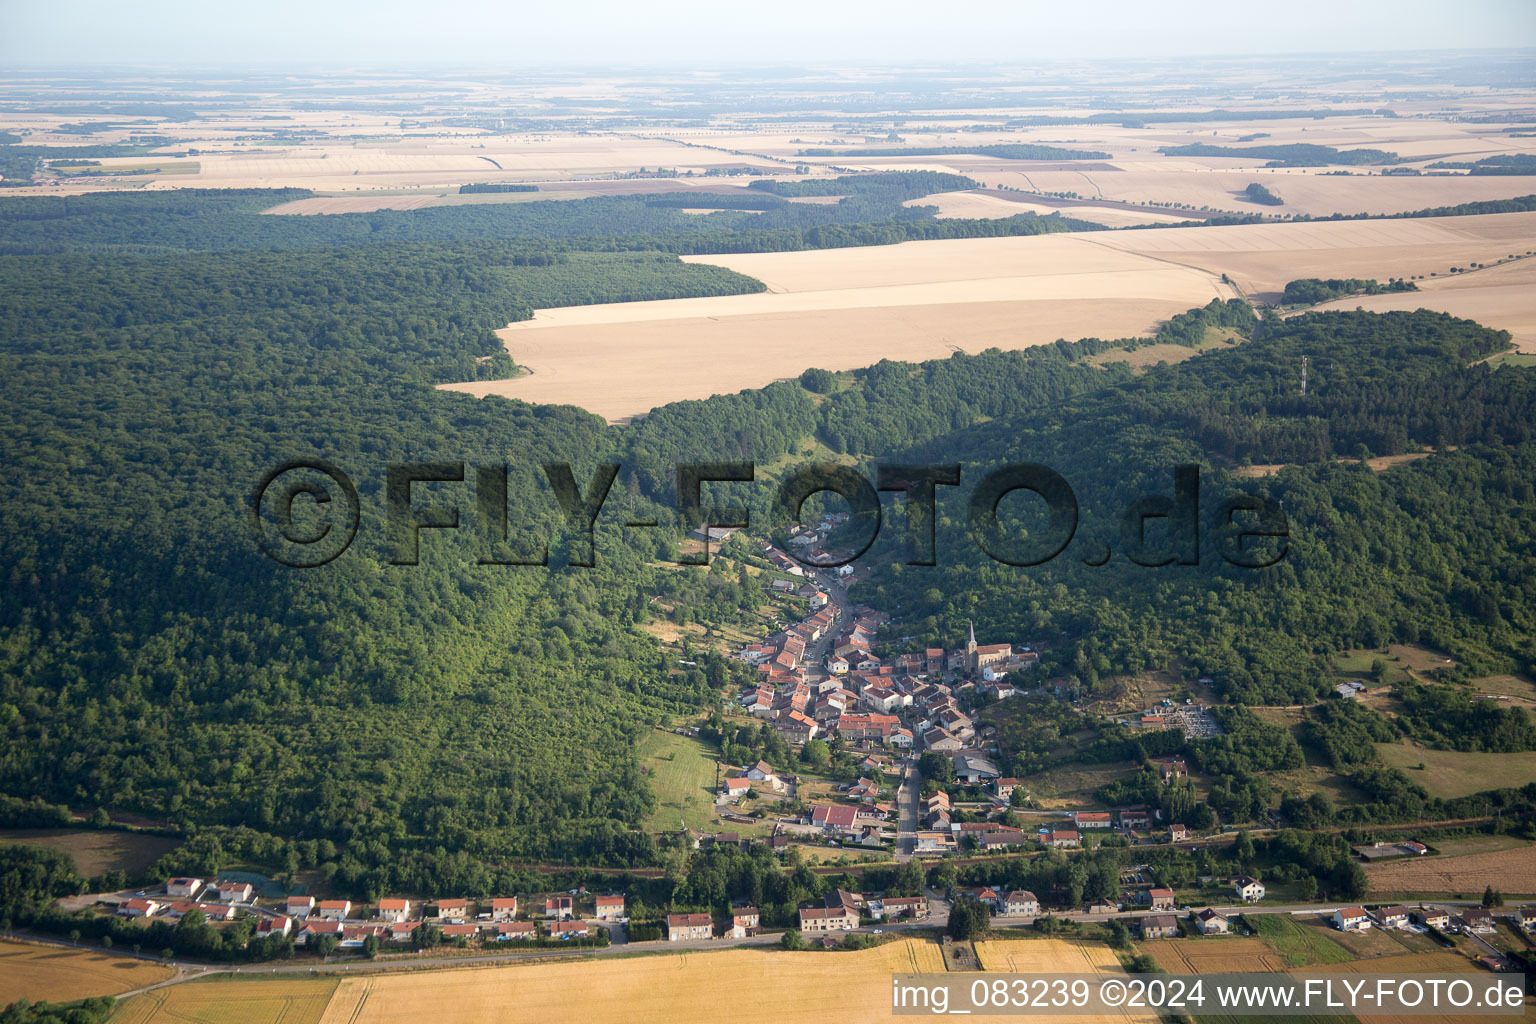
(972, 641)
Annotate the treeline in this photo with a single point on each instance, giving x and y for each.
(1142, 118)
(1294, 154)
(1002, 150)
(1499, 163)
(1308, 291)
(482, 188)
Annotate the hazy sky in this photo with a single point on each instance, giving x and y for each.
(593, 32)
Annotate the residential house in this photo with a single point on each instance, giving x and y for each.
(1021, 902)
(795, 727)
(504, 908)
(1063, 839)
(1004, 788)
(1211, 922)
(1393, 917)
(403, 931)
(612, 908)
(935, 802)
(1248, 888)
(744, 923)
(394, 910)
(690, 926)
(1002, 839)
(1159, 926)
(569, 930)
(1416, 848)
(1476, 919)
(902, 738)
(233, 892)
(316, 928)
(733, 790)
(1159, 899)
(1432, 917)
(334, 910)
(893, 907)
(940, 740)
(299, 906)
(1351, 919)
(1525, 917)
(934, 842)
(508, 930)
(1178, 833)
(1092, 819)
(988, 895)
(139, 907)
(460, 930)
(1174, 769)
(835, 818)
(1102, 906)
(280, 925)
(212, 911)
(560, 908)
(828, 919)
(455, 911)
(1135, 817)
(186, 887)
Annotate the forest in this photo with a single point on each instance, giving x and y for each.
(1291, 154)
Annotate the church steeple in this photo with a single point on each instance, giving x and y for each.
(970, 644)
(970, 650)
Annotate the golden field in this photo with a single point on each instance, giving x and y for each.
(1229, 954)
(221, 1001)
(1510, 871)
(57, 974)
(844, 308)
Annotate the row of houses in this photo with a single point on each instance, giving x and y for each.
(743, 924)
(1471, 921)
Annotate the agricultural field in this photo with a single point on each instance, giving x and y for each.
(96, 851)
(1214, 955)
(228, 1001)
(1498, 296)
(1513, 870)
(727, 986)
(681, 771)
(1453, 773)
(844, 308)
(1298, 944)
(34, 971)
(1046, 956)
(1443, 962)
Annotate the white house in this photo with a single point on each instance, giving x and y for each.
(394, 910)
(334, 910)
(300, 906)
(1021, 901)
(233, 892)
(1351, 919)
(187, 887)
(1248, 888)
(138, 907)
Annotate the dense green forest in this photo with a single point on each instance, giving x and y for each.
(1307, 291)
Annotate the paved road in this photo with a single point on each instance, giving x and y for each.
(907, 796)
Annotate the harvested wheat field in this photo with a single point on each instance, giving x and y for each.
(1512, 871)
(220, 1001)
(1502, 297)
(1261, 258)
(1227, 954)
(738, 985)
(1053, 956)
(35, 972)
(840, 309)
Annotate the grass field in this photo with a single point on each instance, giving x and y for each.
(1299, 945)
(1444, 962)
(682, 773)
(1453, 773)
(95, 851)
(1511, 871)
(222, 1001)
(35, 972)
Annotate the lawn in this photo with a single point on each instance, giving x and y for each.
(1453, 773)
(681, 770)
(1300, 945)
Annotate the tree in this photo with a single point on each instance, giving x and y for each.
(325, 945)
(969, 918)
(371, 946)
(1308, 888)
(816, 753)
(1492, 897)
(791, 939)
(936, 766)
